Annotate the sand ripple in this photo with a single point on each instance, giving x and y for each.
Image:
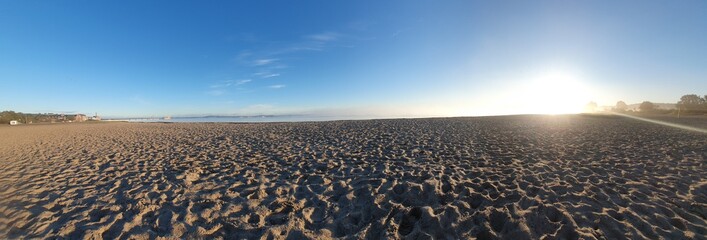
(522, 177)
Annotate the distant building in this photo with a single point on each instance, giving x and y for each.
(80, 117)
(14, 122)
(96, 117)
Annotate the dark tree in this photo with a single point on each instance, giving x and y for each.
(621, 106)
(690, 99)
(647, 106)
(7, 116)
(692, 103)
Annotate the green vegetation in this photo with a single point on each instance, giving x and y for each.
(7, 116)
(692, 104)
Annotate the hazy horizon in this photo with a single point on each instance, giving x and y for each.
(329, 114)
(382, 59)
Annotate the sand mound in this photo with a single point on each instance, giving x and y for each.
(520, 177)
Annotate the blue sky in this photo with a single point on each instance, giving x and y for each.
(373, 58)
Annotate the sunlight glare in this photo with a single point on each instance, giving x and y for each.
(554, 92)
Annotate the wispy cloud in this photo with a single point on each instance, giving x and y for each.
(399, 31)
(265, 61)
(244, 81)
(215, 92)
(324, 37)
(222, 84)
(266, 74)
(223, 87)
(270, 61)
(228, 83)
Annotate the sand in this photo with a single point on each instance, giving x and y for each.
(516, 177)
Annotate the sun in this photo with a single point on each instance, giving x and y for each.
(554, 92)
(547, 92)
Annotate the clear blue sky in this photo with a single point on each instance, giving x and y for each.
(378, 58)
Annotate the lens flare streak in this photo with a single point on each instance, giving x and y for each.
(701, 130)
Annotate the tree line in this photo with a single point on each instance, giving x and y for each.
(7, 116)
(688, 104)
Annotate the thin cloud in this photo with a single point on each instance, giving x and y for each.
(228, 83)
(399, 31)
(216, 92)
(263, 62)
(244, 81)
(266, 74)
(222, 84)
(277, 86)
(324, 37)
(268, 62)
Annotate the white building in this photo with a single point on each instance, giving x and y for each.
(95, 117)
(14, 122)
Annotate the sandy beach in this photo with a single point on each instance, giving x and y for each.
(512, 177)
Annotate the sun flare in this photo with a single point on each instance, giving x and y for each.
(555, 93)
(549, 92)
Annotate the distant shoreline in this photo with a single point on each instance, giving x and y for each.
(697, 121)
